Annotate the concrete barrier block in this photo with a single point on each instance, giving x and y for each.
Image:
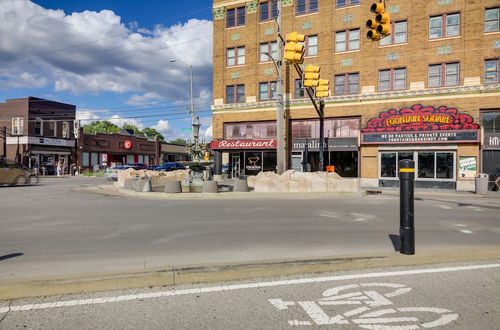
(173, 187)
(240, 186)
(210, 187)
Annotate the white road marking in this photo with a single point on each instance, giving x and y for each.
(475, 208)
(465, 231)
(234, 287)
(446, 207)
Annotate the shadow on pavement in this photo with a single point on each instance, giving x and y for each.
(12, 255)
(396, 242)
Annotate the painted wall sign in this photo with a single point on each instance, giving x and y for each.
(330, 144)
(243, 144)
(420, 118)
(127, 144)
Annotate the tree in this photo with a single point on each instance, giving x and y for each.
(151, 133)
(137, 132)
(100, 126)
(178, 141)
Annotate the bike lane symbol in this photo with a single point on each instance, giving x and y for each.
(367, 298)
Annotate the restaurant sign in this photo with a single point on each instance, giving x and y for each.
(243, 144)
(420, 124)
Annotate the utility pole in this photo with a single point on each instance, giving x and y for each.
(280, 103)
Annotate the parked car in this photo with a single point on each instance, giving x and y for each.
(137, 166)
(12, 173)
(165, 167)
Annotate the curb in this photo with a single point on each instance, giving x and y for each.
(206, 273)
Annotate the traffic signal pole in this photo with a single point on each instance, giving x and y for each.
(4, 135)
(320, 109)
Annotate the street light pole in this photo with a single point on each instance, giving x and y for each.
(195, 122)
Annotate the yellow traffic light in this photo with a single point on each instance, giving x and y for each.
(323, 88)
(381, 25)
(311, 75)
(294, 50)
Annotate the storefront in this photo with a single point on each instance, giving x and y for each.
(442, 141)
(341, 145)
(245, 157)
(491, 145)
(102, 150)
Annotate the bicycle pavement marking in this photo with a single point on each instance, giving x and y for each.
(234, 287)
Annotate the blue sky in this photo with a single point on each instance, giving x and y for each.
(111, 58)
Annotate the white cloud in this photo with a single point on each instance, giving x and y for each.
(87, 116)
(94, 52)
(207, 134)
(144, 99)
(120, 121)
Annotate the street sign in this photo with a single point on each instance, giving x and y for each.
(186, 129)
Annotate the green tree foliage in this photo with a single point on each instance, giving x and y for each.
(152, 133)
(100, 126)
(178, 141)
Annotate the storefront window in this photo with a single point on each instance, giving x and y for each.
(130, 159)
(388, 165)
(429, 164)
(85, 160)
(270, 161)
(250, 130)
(426, 165)
(94, 158)
(444, 165)
(253, 162)
(333, 128)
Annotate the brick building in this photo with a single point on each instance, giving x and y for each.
(103, 149)
(430, 91)
(39, 132)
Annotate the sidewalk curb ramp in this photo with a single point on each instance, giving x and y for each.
(206, 273)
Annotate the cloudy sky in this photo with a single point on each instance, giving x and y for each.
(111, 58)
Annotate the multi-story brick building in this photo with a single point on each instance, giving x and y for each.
(39, 132)
(430, 91)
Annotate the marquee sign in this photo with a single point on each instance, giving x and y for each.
(243, 144)
(492, 141)
(421, 124)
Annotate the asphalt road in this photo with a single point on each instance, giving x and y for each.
(446, 296)
(57, 228)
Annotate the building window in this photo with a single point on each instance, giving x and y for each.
(235, 94)
(346, 84)
(492, 19)
(236, 56)
(444, 26)
(235, 17)
(65, 130)
(85, 159)
(268, 10)
(346, 3)
(333, 128)
(299, 89)
(398, 36)
(52, 128)
(491, 71)
(311, 46)
(38, 127)
(392, 80)
(306, 7)
(267, 91)
(17, 126)
(347, 40)
(266, 49)
(491, 122)
(444, 74)
(250, 130)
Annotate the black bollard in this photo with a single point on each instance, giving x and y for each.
(406, 211)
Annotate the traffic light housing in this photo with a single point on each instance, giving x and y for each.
(380, 26)
(323, 88)
(294, 50)
(311, 76)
